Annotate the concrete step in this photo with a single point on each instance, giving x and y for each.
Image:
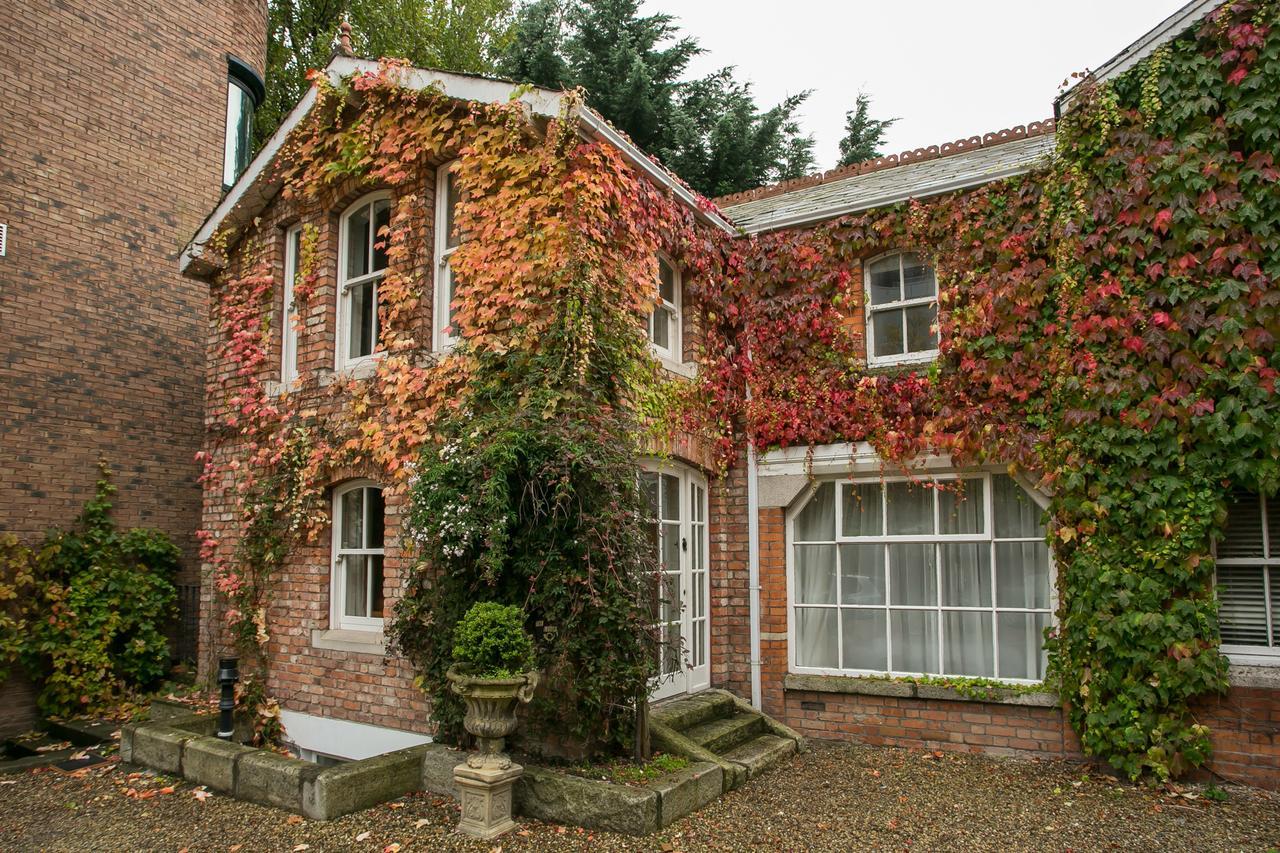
(81, 732)
(723, 734)
(688, 711)
(761, 753)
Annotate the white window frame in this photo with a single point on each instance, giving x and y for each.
(341, 361)
(442, 341)
(337, 581)
(1255, 655)
(987, 536)
(921, 357)
(288, 325)
(672, 353)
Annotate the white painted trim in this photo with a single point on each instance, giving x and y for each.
(288, 330)
(344, 738)
(341, 362)
(673, 353)
(1164, 32)
(440, 340)
(849, 459)
(338, 620)
(341, 640)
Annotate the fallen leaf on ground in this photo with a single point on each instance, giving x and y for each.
(293, 820)
(364, 836)
(301, 847)
(202, 796)
(424, 821)
(393, 847)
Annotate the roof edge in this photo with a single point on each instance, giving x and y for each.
(891, 161)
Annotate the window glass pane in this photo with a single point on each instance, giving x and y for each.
(885, 281)
(921, 336)
(356, 589)
(862, 574)
(239, 133)
(917, 278)
(452, 239)
(1273, 526)
(815, 574)
(1016, 514)
(865, 643)
(375, 585)
(660, 322)
(1022, 645)
(699, 499)
(670, 497)
(914, 636)
(886, 332)
(375, 519)
(1022, 574)
(817, 641)
(863, 514)
(910, 508)
(967, 645)
(1243, 536)
(362, 317)
(671, 603)
(913, 577)
(671, 547)
(381, 220)
(666, 281)
(357, 247)
(1242, 605)
(450, 311)
(817, 521)
(352, 518)
(961, 511)
(966, 575)
(649, 493)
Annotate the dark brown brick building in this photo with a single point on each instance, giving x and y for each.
(113, 123)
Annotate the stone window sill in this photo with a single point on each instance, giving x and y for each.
(687, 369)
(911, 690)
(1255, 675)
(360, 642)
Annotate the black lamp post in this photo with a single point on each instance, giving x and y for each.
(228, 675)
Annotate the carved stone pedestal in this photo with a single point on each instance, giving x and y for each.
(485, 790)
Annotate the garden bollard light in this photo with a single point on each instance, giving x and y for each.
(228, 675)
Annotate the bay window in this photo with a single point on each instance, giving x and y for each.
(902, 310)
(944, 576)
(362, 264)
(359, 519)
(1248, 573)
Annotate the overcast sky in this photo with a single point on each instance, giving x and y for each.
(947, 68)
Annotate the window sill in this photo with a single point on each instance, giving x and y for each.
(905, 689)
(1266, 675)
(687, 369)
(907, 361)
(347, 640)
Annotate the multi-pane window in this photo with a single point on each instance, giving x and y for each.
(362, 264)
(289, 314)
(902, 309)
(447, 242)
(949, 576)
(1248, 582)
(664, 322)
(358, 522)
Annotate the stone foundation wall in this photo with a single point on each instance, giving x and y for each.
(17, 704)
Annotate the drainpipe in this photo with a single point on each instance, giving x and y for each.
(753, 558)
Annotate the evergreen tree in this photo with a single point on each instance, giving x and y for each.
(536, 51)
(455, 35)
(863, 135)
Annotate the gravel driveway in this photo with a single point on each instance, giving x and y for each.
(835, 797)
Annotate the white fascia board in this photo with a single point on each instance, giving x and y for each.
(810, 217)
(345, 739)
(845, 459)
(1164, 32)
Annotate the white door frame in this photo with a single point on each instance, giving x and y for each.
(694, 670)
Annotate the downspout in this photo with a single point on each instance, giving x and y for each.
(753, 559)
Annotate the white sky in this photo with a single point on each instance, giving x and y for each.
(947, 69)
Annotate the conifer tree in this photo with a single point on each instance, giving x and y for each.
(863, 135)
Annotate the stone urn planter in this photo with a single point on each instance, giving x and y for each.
(485, 779)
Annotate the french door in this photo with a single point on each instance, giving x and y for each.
(676, 501)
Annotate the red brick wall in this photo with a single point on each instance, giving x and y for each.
(729, 577)
(1246, 735)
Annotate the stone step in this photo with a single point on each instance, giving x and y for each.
(81, 732)
(723, 734)
(688, 711)
(761, 753)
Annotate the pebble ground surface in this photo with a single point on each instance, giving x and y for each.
(835, 797)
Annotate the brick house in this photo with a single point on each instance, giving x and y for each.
(814, 573)
(115, 143)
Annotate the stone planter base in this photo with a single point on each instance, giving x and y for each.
(486, 798)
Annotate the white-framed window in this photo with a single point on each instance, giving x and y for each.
(362, 264)
(900, 577)
(359, 519)
(1247, 555)
(447, 241)
(664, 322)
(288, 313)
(902, 309)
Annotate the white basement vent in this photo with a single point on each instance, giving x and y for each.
(4, 238)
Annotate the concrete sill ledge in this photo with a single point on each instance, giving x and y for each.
(360, 642)
(911, 690)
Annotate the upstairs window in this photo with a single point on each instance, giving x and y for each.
(902, 310)
(904, 578)
(1248, 582)
(289, 314)
(664, 322)
(362, 264)
(359, 517)
(245, 92)
(447, 242)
